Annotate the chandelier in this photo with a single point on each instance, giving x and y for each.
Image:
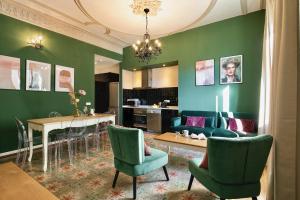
(147, 49)
(138, 6)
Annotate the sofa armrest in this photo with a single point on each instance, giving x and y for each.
(221, 132)
(175, 121)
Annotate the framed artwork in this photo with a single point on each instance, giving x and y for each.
(205, 72)
(231, 69)
(38, 76)
(9, 73)
(64, 79)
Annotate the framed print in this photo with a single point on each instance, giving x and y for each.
(205, 72)
(9, 73)
(64, 79)
(38, 76)
(231, 69)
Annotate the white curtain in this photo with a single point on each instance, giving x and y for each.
(278, 98)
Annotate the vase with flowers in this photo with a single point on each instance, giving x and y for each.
(75, 99)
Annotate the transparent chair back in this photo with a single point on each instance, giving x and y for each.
(22, 142)
(54, 114)
(57, 139)
(77, 134)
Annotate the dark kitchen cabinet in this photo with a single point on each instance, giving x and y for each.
(166, 116)
(128, 117)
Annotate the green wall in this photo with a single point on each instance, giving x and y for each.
(239, 35)
(58, 49)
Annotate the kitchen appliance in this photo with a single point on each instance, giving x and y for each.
(140, 118)
(134, 102)
(154, 120)
(114, 99)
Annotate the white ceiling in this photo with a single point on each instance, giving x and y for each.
(114, 22)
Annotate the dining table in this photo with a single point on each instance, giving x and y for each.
(45, 125)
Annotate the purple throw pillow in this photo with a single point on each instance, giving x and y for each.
(195, 121)
(232, 125)
(246, 125)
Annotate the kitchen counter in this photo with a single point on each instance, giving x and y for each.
(151, 107)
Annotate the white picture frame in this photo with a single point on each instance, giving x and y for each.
(38, 76)
(231, 69)
(205, 72)
(10, 70)
(64, 79)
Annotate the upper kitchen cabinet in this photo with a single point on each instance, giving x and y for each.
(127, 79)
(165, 77)
(137, 79)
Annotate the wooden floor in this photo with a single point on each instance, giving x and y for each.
(15, 184)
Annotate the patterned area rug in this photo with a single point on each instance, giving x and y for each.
(90, 178)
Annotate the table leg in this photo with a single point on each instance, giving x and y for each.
(45, 149)
(30, 143)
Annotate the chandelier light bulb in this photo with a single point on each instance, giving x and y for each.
(40, 38)
(147, 40)
(150, 48)
(138, 42)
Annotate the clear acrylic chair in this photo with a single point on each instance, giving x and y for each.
(56, 138)
(76, 134)
(23, 142)
(101, 128)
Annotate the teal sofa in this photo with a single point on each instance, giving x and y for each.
(216, 123)
(178, 123)
(129, 155)
(235, 166)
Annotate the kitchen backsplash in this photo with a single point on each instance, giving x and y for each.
(152, 96)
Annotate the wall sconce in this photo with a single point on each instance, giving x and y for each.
(36, 42)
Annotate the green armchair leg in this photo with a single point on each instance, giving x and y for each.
(191, 182)
(115, 179)
(166, 173)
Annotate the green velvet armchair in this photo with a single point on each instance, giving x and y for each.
(235, 166)
(129, 156)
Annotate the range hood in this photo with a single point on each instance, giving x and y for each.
(146, 79)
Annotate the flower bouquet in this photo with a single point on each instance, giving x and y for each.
(75, 98)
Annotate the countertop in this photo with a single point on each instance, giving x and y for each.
(151, 107)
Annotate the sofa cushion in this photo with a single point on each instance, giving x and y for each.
(157, 160)
(223, 122)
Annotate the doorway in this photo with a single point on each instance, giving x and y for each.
(107, 86)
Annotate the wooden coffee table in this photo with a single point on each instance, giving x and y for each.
(173, 140)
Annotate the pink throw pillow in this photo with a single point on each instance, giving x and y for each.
(246, 125)
(147, 149)
(195, 121)
(204, 162)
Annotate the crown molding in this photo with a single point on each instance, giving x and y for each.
(29, 15)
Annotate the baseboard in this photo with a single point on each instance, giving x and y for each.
(9, 153)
